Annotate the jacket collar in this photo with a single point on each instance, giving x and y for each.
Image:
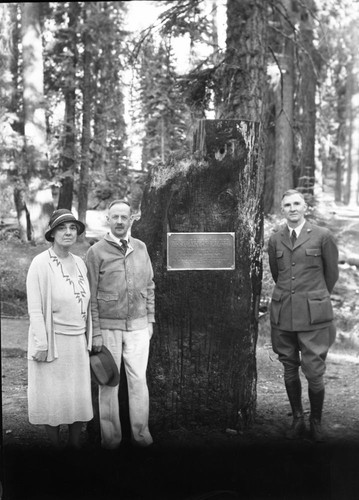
(302, 238)
(111, 240)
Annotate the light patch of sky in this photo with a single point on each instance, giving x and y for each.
(141, 14)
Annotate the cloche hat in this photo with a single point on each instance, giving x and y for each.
(104, 370)
(60, 216)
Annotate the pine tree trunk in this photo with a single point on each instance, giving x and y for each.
(86, 131)
(349, 135)
(15, 35)
(340, 88)
(308, 88)
(23, 215)
(68, 153)
(283, 173)
(39, 195)
(351, 182)
(33, 82)
(243, 78)
(202, 367)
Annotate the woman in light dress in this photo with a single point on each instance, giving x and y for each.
(60, 334)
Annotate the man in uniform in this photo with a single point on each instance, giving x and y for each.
(303, 259)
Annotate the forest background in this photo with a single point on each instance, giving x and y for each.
(94, 96)
(97, 96)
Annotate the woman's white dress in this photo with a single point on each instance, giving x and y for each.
(59, 392)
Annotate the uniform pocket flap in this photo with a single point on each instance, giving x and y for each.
(277, 295)
(107, 296)
(279, 254)
(320, 307)
(318, 294)
(313, 252)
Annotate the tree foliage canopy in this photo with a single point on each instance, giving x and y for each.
(143, 91)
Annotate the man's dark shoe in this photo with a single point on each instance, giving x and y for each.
(297, 428)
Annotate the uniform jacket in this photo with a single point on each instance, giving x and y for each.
(122, 288)
(305, 276)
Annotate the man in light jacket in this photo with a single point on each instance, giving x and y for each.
(303, 259)
(123, 306)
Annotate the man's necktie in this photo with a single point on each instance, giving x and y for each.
(293, 237)
(123, 246)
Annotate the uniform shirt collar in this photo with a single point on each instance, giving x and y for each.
(297, 229)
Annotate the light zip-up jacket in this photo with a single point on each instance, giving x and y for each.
(122, 287)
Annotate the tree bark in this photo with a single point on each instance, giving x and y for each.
(244, 77)
(202, 366)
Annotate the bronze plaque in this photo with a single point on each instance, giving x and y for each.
(200, 251)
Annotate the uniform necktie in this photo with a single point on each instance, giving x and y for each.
(123, 246)
(293, 237)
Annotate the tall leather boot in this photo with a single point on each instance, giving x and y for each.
(294, 392)
(316, 400)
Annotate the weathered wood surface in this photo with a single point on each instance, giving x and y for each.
(202, 367)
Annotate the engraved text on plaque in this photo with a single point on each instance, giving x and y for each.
(200, 251)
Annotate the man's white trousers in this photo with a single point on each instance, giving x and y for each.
(133, 347)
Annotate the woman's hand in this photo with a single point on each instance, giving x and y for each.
(40, 356)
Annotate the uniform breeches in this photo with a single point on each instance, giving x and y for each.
(307, 349)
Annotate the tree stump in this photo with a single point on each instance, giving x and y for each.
(202, 367)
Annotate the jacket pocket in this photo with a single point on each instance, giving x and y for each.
(313, 257)
(142, 304)
(108, 306)
(276, 306)
(320, 307)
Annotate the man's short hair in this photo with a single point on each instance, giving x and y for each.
(117, 202)
(290, 192)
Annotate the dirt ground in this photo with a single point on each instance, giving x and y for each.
(201, 462)
(341, 412)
